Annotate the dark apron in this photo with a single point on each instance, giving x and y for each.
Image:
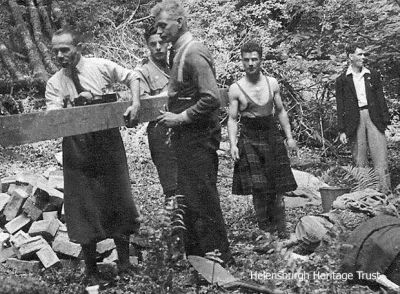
(97, 192)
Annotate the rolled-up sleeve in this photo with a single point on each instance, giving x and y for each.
(120, 74)
(53, 97)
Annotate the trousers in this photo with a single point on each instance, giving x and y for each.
(369, 137)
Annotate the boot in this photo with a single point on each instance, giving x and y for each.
(89, 255)
(260, 207)
(122, 244)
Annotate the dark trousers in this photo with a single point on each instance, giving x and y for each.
(197, 181)
(163, 156)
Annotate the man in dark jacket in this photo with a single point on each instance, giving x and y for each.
(363, 114)
(193, 117)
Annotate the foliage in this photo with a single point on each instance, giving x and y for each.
(303, 41)
(166, 243)
(355, 178)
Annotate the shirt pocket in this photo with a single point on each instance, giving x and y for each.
(158, 83)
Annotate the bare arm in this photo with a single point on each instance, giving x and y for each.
(232, 120)
(282, 115)
(131, 112)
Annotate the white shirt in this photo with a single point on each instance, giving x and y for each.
(95, 75)
(359, 84)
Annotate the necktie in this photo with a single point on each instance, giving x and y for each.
(171, 57)
(75, 80)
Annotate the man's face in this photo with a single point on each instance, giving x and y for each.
(357, 58)
(66, 52)
(251, 62)
(158, 48)
(167, 27)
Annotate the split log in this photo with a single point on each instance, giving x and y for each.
(44, 14)
(5, 56)
(39, 71)
(37, 34)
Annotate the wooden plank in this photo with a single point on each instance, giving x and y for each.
(45, 125)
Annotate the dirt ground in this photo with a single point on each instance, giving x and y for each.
(152, 274)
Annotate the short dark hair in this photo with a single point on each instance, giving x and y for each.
(352, 47)
(151, 30)
(75, 34)
(251, 46)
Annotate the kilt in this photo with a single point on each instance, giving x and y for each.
(97, 192)
(264, 165)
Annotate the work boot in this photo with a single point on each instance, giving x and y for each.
(89, 255)
(91, 272)
(124, 265)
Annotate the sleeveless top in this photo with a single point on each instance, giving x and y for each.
(253, 108)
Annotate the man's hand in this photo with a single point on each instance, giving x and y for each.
(235, 153)
(343, 138)
(170, 119)
(130, 116)
(291, 145)
(87, 95)
(84, 98)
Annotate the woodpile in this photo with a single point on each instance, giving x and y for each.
(33, 234)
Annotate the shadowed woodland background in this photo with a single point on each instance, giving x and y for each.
(303, 41)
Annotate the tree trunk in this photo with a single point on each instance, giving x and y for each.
(37, 33)
(6, 57)
(39, 71)
(45, 18)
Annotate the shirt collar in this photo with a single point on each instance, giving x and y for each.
(80, 64)
(182, 40)
(364, 70)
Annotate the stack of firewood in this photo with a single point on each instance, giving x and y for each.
(33, 234)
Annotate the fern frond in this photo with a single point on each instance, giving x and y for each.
(364, 177)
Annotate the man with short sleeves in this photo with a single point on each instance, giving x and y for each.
(153, 77)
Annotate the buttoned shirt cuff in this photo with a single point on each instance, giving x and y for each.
(184, 117)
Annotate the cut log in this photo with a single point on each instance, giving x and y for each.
(37, 34)
(39, 71)
(32, 127)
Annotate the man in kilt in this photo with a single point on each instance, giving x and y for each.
(262, 167)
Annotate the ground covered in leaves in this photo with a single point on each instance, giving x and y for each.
(155, 273)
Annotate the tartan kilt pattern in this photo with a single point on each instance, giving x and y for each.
(264, 165)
